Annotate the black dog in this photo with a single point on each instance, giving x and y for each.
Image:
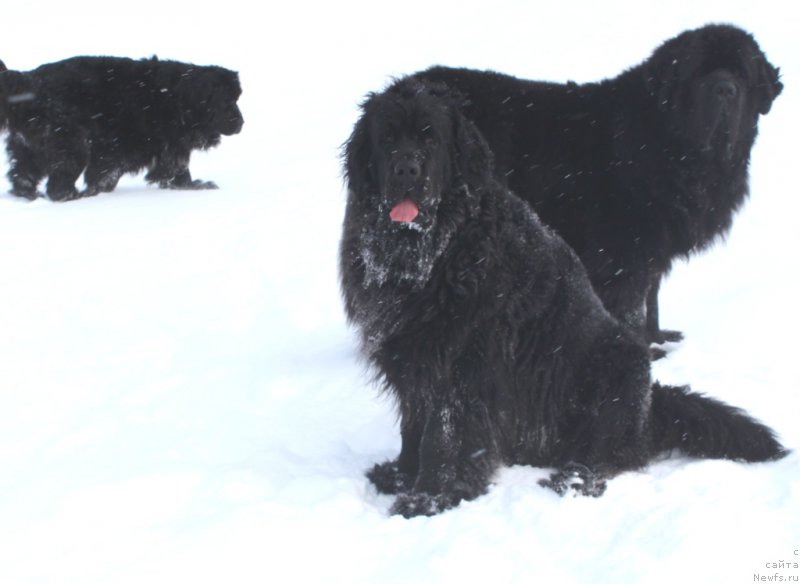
(484, 326)
(108, 116)
(636, 171)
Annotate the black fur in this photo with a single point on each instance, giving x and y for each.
(483, 324)
(108, 116)
(636, 171)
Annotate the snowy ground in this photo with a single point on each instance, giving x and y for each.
(180, 399)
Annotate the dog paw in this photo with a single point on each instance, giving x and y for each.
(91, 192)
(25, 192)
(389, 479)
(202, 185)
(662, 336)
(194, 185)
(422, 504)
(577, 478)
(657, 353)
(66, 196)
(672, 336)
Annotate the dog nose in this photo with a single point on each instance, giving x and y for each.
(407, 170)
(725, 89)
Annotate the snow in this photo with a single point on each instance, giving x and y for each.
(181, 399)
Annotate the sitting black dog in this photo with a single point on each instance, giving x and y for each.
(484, 326)
(108, 116)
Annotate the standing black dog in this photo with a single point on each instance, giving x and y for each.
(108, 116)
(636, 171)
(483, 325)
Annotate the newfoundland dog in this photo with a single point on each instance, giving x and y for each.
(483, 324)
(634, 171)
(108, 116)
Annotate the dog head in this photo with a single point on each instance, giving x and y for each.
(214, 92)
(225, 92)
(711, 84)
(411, 145)
(415, 167)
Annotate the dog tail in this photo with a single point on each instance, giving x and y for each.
(703, 427)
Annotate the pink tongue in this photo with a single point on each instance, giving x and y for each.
(405, 211)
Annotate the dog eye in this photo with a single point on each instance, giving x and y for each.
(428, 134)
(387, 138)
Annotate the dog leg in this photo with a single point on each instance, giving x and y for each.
(397, 476)
(61, 186)
(171, 171)
(100, 180)
(432, 492)
(451, 469)
(625, 299)
(25, 171)
(609, 434)
(633, 300)
(71, 144)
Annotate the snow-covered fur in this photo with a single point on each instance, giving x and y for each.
(483, 324)
(108, 116)
(635, 171)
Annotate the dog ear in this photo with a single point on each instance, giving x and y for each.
(3, 67)
(15, 88)
(14, 83)
(768, 85)
(660, 80)
(473, 158)
(359, 170)
(660, 71)
(221, 90)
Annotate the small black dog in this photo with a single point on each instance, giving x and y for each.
(484, 326)
(108, 116)
(635, 171)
